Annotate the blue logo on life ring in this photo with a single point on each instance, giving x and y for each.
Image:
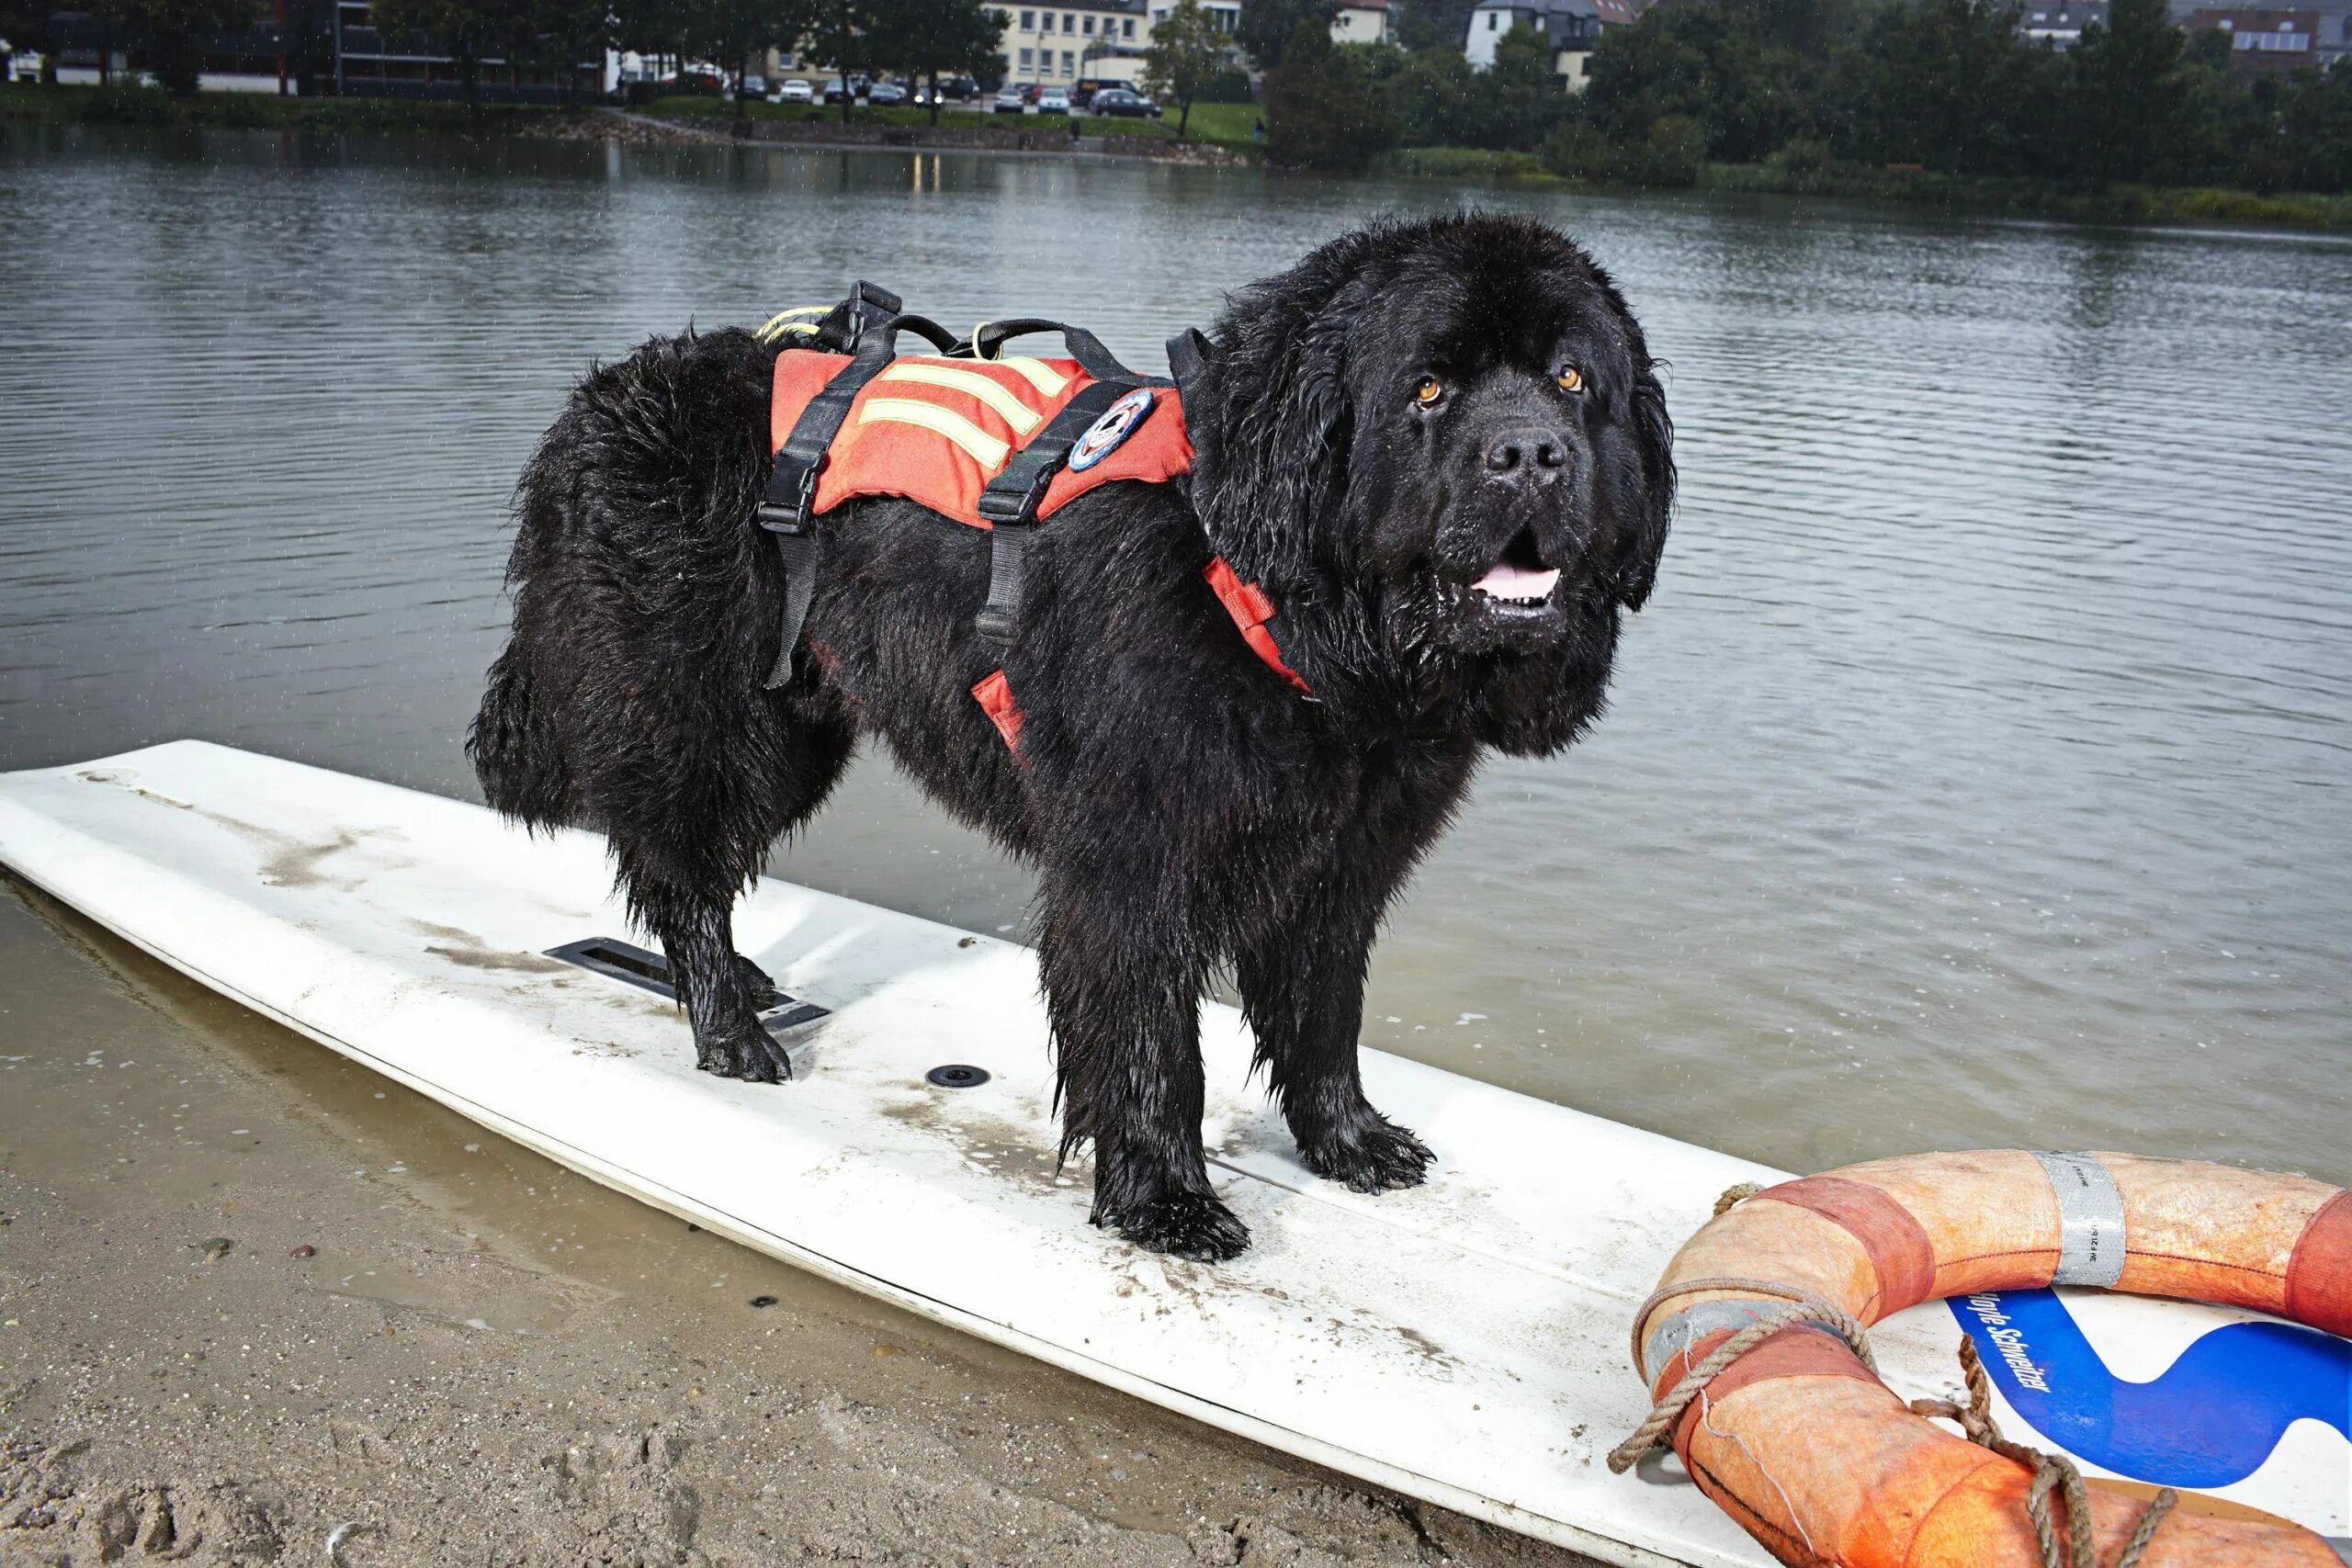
(2208, 1420)
(1102, 437)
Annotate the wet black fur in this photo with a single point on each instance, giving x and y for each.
(1183, 806)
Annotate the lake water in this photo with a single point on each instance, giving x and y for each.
(1978, 774)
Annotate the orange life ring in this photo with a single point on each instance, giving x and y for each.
(1817, 1459)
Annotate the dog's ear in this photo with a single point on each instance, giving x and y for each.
(1271, 437)
(1654, 506)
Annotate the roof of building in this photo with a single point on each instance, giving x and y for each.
(2254, 20)
(1609, 13)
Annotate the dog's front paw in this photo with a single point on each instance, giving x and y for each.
(1375, 1156)
(744, 1050)
(1184, 1224)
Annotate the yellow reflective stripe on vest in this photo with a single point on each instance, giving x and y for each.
(972, 384)
(986, 449)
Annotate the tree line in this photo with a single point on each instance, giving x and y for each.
(1949, 85)
(911, 38)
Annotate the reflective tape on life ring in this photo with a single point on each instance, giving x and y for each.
(2090, 1219)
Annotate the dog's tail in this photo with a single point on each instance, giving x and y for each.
(516, 753)
(517, 741)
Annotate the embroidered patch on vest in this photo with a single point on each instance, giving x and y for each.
(1102, 437)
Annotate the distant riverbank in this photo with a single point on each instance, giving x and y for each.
(689, 120)
(667, 119)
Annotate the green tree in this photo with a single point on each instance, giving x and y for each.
(1431, 25)
(1186, 55)
(929, 39)
(1524, 99)
(2316, 122)
(848, 37)
(2119, 74)
(1439, 99)
(1267, 26)
(171, 35)
(1941, 85)
(469, 31)
(1753, 73)
(737, 30)
(1332, 105)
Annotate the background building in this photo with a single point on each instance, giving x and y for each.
(1361, 21)
(2060, 23)
(1573, 29)
(2262, 41)
(1075, 40)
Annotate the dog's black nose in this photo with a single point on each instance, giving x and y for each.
(1532, 454)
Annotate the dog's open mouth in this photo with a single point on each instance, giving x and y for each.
(1519, 577)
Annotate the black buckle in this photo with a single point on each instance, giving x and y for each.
(1004, 506)
(778, 518)
(867, 302)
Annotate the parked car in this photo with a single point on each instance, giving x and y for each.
(1123, 103)
(1010, 99)
(883, 93)
(1053, 100)
(837, 89)
(952, 90)
(754, 87)
(792, 92)
(25, 66)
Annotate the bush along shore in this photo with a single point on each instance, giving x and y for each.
(1912, 186)
(1944, 102)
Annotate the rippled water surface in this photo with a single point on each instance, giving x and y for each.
(1978, 774)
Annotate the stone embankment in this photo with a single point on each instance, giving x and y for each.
(1053, 138)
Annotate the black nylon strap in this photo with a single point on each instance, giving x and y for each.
(1188, 356)
(1010, 504)
(797, 551)
(998, 621)
(792, 485)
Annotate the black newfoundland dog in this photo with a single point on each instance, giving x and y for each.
(1442, 449)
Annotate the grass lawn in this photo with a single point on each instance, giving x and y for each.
(1228, 125)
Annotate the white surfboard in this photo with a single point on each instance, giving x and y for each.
(1464, 1343)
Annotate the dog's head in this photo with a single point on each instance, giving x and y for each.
(1456, 421)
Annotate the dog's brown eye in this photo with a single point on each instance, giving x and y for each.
(1571, 379)
(1429, 392)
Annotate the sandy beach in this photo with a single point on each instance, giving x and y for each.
(258, 1305)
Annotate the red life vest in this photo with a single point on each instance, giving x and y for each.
(934, 430)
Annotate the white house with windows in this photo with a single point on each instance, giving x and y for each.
(1361, 21)
(1078, 41)
(1573, 29)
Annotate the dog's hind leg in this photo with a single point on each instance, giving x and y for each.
(705, 817)
(1123, 981)
(1302, 991)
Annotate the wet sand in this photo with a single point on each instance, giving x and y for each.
(422, 1345)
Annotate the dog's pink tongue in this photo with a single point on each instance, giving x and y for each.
(1509, 581)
